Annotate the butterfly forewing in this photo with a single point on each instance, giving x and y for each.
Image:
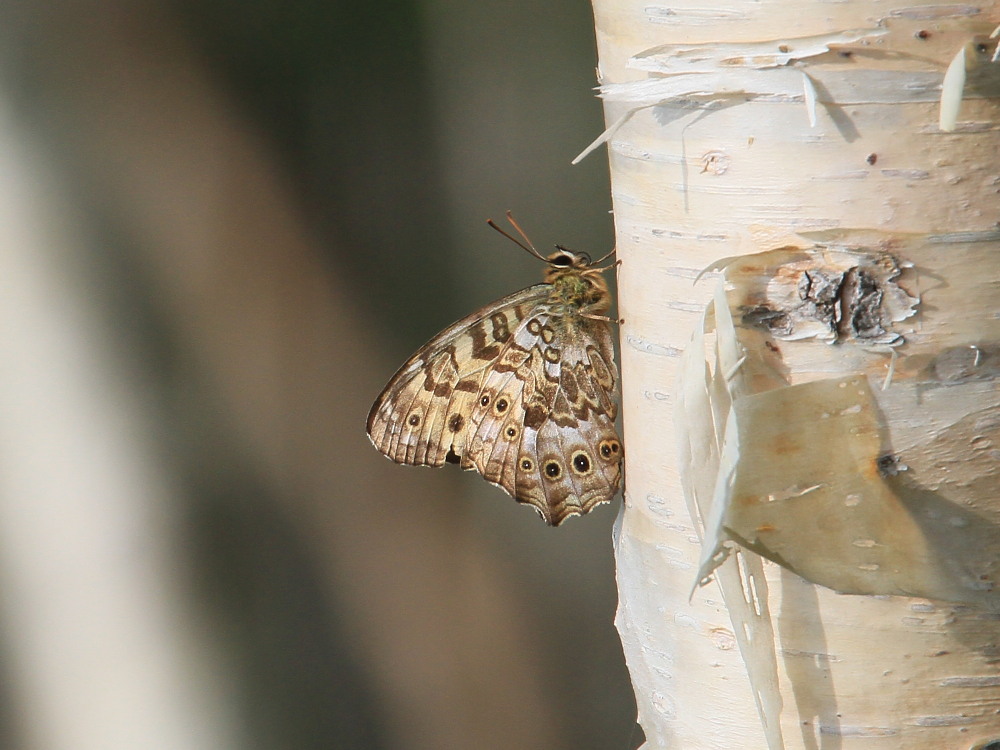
(421, 417)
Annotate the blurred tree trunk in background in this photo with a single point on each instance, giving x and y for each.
(747, 128)
(269, 347)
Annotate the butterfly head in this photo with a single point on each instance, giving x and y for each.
(576, 282)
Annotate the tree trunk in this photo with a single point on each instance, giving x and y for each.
(148, 598)
(835, 418)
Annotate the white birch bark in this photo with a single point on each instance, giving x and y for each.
(851, 435)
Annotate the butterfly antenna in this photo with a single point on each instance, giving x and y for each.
(604, 257)
(526, 245)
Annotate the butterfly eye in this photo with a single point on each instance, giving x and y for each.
(562, 260)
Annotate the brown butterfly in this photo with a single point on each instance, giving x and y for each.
(524, 391)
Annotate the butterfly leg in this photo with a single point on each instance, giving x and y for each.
(603, 318)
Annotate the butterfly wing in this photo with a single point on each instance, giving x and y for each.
(422, 415)
(543, 425)
(580, 438)
(522, 391)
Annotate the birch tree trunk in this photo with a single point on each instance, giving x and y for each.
(837, 403)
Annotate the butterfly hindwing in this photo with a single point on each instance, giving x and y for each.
(540, 432)
(573, 474)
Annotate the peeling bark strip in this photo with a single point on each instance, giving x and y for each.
(864, 490)
(700, 75)
(850, 297)
(830, 478)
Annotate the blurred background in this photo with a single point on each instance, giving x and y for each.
(224, 225)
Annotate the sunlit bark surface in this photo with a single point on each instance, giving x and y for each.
(837, 407)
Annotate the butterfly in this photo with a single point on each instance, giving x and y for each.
(523, 390)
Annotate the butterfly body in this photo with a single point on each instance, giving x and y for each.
(522, 391)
